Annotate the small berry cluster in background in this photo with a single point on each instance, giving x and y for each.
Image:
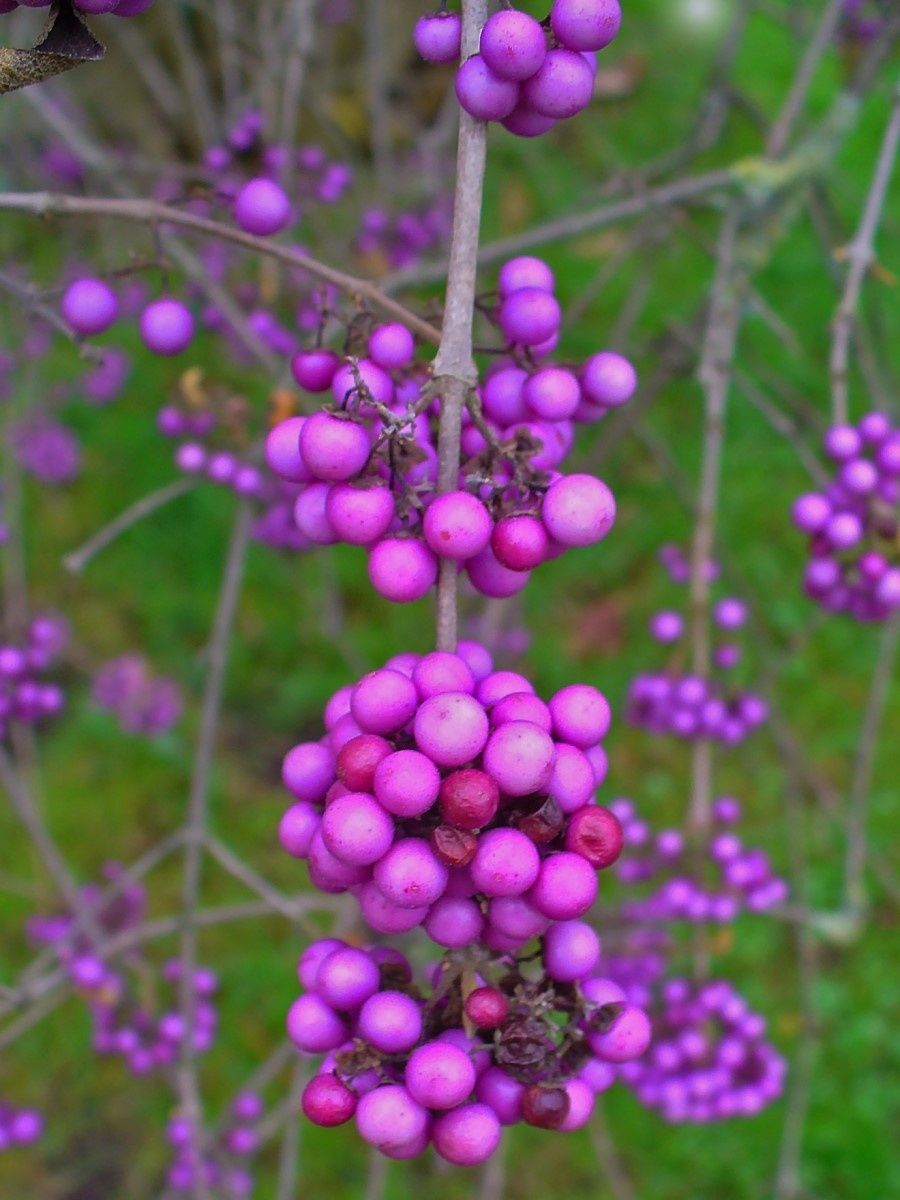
(527, 75)
(686, 705)
(399, 1060)
(854, 523)
(143, 703)
(47, 449)
(367, 465)
(731, 878)
(223, 1164)
(25, 696)
(449, 795)
(709, 1060)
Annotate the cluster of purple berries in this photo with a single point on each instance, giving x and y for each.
(528, 75)
(90, 8)
(223, 1165)
(143, 703)
(709, 1060)
(24, 695)
(18, 1126)
(544, 1041)
(861, 21)
(402, 240)
(448, 795)
(741, 879)
(668, 702)
(47, 449)
(229, 468)
(854, 523)
(368, 467)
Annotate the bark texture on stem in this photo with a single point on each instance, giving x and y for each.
(454, 364)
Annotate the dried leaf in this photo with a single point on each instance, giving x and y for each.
(65, 42)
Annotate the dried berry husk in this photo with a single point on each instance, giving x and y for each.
(454, 847)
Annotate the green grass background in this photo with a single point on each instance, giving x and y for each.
(109, 797)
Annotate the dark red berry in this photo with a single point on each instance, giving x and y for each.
(544, 824)
(545, 1107)
(468, 799)
(454, 847)
(328, 1101)
(486, 1007)
(357, 760)
(596, 834)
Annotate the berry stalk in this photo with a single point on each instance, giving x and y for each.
(454, 365)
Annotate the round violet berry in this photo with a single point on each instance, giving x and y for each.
(529, 316)
(581, 715)
(451, 728)
(457, 525)
(484, 95)
(608, 379)
(402, 569)
(440, 672)
(501, 1093)
(468, 1135)
(506, 863)
(89, 306)
(410, 875)
(333, 447)
(520, 543)
(581, 1105)
(327, 1101)
(572, 783)
(347, 978)
(262, 207)
(578, 510)
(297, 828)
(390, 1021)
(585, 24)
(167, 327)
(406, 783)
(437, 37)
(308, 771)
(383, 701)
(439, 1075)
(454, 922)
(565, 888)
(562, 87)
(571, 950)
(359, 515)
(627, 1038)
(388, 1117)
(519, 756)
(523, 121)
(491, 578)
(313, 1026)
(313, 957)
(314, 370)
(513, 44)
(552, 393)
(391, 346)
(357, 830)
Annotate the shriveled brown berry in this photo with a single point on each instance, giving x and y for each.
(454, 847)
(544, 824)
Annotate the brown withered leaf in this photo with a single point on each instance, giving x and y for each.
(65, 42)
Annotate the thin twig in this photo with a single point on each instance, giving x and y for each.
(454, 364)
(860, 255)
(76, 560)
(151, 213)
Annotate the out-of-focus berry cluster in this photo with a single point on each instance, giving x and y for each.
(854, 523)
(143, 703)
(25, 696)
